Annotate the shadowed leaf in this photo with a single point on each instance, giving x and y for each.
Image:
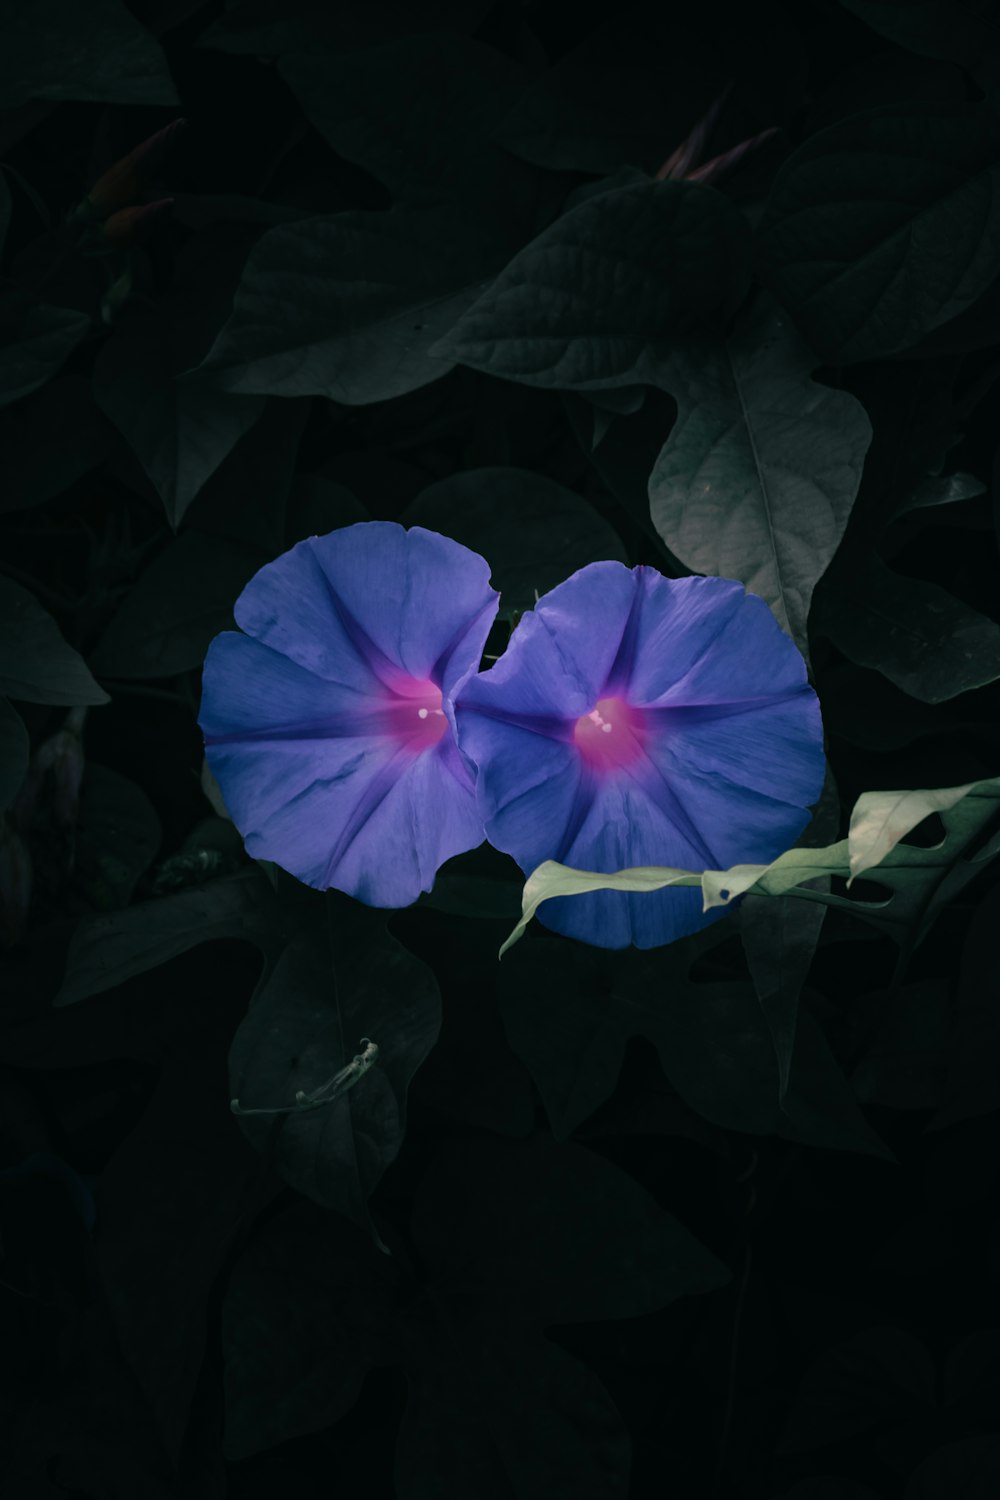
(596, 300)
(884, 226)
(36, 664)
(758, 476)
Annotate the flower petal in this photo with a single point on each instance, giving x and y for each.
(725, 755)
(706, 640)
(642, 820)
(709, 749)
(562, 650)
(359, 812)
(527, 787)
(624, 827)
(370, 601)
(305, 715)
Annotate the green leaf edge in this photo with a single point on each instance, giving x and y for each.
(878, 822)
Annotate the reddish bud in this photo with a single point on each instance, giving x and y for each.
(129, 226)
(123, 183)
(680, 163)
(721, 164)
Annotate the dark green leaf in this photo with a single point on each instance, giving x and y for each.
(117, 836)
(819, 1108)
(245, 500)
(779, 936)
(881, 1375)
(305, 1024)
(172, 1199)
(36, 664)
(419, 114)
(866, 710)
(175, 608)
(905, 1058)
(472, 1075)
(757, 478)
(919, 880)
(597, 299)
(625, 455)
(552, 1233)
(972, 1376)
(570, 1014)
(4, 210)
(14, 751)
(972, 1082)
(107, 950)
(317, 506)
(33, 468)
(960, 31)
(204, 210)
(511, 1416)
(918, 635)
(466, 891)
(943, 489)
(828, 1487)
(978, 327)
(35, 339)
(884, 226)
(57, 49)
(968, 1466)
(303, 1317)
(179, 427)
(532, 531)
(631, 91)
(274, 27)
(348, 306)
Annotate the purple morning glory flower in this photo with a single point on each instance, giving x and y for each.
(329, 724)
(641, 720)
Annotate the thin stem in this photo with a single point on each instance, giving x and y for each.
(727, 1419)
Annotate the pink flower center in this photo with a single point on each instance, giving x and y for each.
(609, 737)
(415, 716)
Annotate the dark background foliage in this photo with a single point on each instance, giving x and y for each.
(713, 292)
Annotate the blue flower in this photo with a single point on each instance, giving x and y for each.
(329, 724)
(641, 720)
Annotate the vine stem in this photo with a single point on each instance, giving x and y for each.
(727, 1419)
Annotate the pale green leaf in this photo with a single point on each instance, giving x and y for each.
(881, 819)
(719, 887)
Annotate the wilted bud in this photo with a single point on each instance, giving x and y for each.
(15, 883)
(61, 759)
(123, 183)
(129, 226)
(50, 795)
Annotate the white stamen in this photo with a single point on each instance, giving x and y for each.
(421, 713)
(598, 720)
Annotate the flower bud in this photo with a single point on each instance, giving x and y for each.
(123, 183)
(726, 160)
(681, 162)
(129, 226)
